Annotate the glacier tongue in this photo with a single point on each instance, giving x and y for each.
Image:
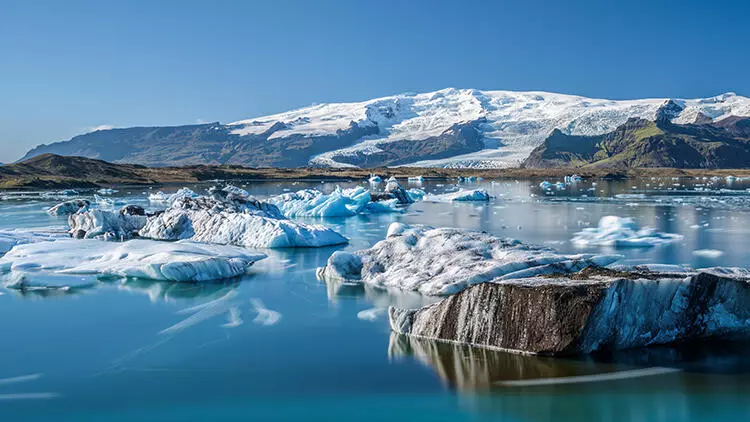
(444, 261)
(147, 259)
(595, 309)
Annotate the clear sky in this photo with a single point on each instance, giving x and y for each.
(68, 66)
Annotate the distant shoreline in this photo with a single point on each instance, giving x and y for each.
(58, 172)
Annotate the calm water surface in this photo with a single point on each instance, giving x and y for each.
(137, 350)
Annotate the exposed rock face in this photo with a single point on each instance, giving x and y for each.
(230, 219)
(69, 207)
(595, 309)
(445, 261)
(643, 143)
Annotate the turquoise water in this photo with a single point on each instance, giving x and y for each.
(101, 353)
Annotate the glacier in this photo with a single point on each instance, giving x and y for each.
(228, 219)
(444, 261)
(591, 310)
(622, 232)
(511, 123)
(181, 261)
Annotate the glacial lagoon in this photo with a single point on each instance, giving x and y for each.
(278, 344)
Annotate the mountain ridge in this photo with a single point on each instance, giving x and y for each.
(445, 128)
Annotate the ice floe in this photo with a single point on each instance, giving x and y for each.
(170, 261)
(461, 196)
(444, 261)
(69, 207)
(236, 221)
(622, 232)
(12, 237)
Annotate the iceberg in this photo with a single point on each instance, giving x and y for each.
(375, 179)
(107, 191)
(461, 196)
(69, 207)
(593, 309)
(163, 198)
(339, 203)
(444, 261)
(108, 225)
(182, 261)
(417, 180)
(236, 221)
(394, 189)
(622, 232)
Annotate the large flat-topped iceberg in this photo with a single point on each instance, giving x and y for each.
(595, 309)
(445, 261)
(235, 220)
(622, 232)
(149, 259)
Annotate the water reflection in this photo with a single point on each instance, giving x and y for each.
(172, 291)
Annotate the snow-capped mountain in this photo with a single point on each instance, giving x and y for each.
(450, 127)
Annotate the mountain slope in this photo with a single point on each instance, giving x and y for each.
(446, 128)
(644, 143)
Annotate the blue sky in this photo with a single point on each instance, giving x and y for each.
(69, 66)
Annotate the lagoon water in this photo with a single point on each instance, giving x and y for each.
(281, 346)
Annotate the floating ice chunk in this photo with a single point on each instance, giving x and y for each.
(545, 185)
(340, 203)
(416, 194)
(107, 225)
(375, 179)
(708, 253)
(418, 180)
(236, 191)
(444, 261)
(149, 259)
(461, 196)
(69, 207)
(161, 197)
(107, 191)
(622, 232)
(12, 237)
(396, 191)
(241, 221)
(106, 202)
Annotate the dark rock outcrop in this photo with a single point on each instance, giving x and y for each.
(595, 309)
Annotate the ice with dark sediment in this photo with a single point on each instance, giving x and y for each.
(148, 259)
(230, 219)
(594, 309)
(108, 225)
(444, 261)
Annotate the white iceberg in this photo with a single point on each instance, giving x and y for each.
(375, 179)
(164, 198)
(69, 207)
(12, 237)
(339, 203)
(622, 232)
(461, 196)
(240, 221)
(417, 180)
(107, 225)
(444, 261)
(170, 261)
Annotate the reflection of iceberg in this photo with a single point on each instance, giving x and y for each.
(171, 291)
(472, 368)
(172, 261)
